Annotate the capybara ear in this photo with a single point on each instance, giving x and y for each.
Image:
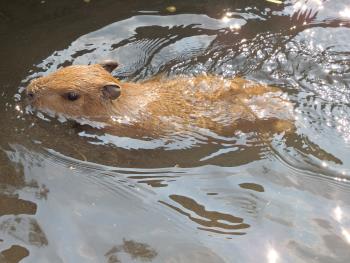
(109, 65)
(111, 91)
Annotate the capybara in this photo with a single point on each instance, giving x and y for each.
(161, 106)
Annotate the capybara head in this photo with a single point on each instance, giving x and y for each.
(74, 90)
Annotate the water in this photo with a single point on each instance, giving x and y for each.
(75, 195)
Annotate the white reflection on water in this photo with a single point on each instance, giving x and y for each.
(338, 213)
(299, 5)
(225, 19)
(235, 26)
(346, 234)
(272, 255)
(302, 5)
(19, 109)
(345, 13)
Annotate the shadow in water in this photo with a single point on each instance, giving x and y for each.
(14, 224)
(211, 221)
(14, 254)
(24, 229)
(252, 186)
(16, 206)
(135, 250)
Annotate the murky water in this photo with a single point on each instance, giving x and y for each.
(71, 195)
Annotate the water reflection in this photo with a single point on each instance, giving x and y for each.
(252, 186)
(272, 256)
(14, 254)
(345, 13)
(135, 250)
(189, 149)
(346, 234)
(338, 214)
(339, 217)
(14, 224)
(154, 181)
(15, 206)
(24, 229)
(289, 195)
(119, 206)
(211, 221)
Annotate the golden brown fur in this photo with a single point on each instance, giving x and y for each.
(160, 106)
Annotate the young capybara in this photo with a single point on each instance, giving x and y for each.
(160, 106)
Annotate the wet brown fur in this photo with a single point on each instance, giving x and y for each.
(160, 106)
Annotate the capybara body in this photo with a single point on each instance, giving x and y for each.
(161, 106)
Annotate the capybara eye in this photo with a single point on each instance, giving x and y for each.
(72, 96)
(30, 95)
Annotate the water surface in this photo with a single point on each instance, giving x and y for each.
(72, 195)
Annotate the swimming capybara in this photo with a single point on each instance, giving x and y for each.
(161, 106)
